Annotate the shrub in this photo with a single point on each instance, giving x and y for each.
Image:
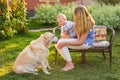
(6, 30)
(7, 33)
(12, 18)
(46, 13)
(68, 10)
(18, 18)
(106, 15)
(113, 2)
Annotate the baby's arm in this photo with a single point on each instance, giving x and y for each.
(65, 35)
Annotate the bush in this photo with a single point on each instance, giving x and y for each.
(68, 11)
(113, 2)
(46, 13)
(7, 33)
(12, 18)
(6, 30)
(18, 18)
(106, 15)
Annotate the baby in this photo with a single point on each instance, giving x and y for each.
(66, 27)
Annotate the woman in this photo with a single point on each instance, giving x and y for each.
(83, 28)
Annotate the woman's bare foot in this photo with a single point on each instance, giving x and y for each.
(68, 66)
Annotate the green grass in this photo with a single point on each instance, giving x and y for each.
(33, 24)
(97, 68)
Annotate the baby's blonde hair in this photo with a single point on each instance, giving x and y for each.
(61, 16)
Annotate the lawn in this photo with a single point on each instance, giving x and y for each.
(33, 24)
(97, 68)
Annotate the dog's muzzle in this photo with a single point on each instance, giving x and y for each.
(55, 40)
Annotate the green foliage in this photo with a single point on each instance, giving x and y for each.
(6, 30)
(12, 18)
(68, 10)
(106, 15)
(46, 13)
(6, 33)
(113, 2)
(34, 24)
(18, 16)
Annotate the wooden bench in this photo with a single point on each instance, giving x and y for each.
(101, 49)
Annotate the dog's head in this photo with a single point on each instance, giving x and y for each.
(50, 38)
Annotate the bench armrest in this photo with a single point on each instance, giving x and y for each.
(55, 29)
(112, 35)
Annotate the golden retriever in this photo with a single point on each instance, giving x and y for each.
(35, 55)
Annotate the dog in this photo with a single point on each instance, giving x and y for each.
(35, 55)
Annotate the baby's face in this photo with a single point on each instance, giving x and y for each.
(61, 21)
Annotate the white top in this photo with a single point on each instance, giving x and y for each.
(68, 27)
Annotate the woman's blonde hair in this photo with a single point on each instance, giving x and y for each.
(83, 20)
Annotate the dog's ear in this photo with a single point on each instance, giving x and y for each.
(46, 36)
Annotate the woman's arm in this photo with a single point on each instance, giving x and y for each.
(79, 41)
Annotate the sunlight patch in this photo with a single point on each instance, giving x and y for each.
(11, 46)
(5, 69)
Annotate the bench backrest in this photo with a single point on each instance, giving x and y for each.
(100, 33)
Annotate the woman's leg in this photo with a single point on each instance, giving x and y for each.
(66, 55)
(64, 52)
(84, 46)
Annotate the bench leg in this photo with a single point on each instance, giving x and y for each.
(104, 55)
(83, 58)
(110, 52)
(55, 56)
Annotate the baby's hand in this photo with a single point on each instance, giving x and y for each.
(63, 37)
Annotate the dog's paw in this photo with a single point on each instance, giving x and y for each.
(35, 73)
(36, 70)
(48, 67)
(48, 73)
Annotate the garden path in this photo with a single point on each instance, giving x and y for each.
(37, 30)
